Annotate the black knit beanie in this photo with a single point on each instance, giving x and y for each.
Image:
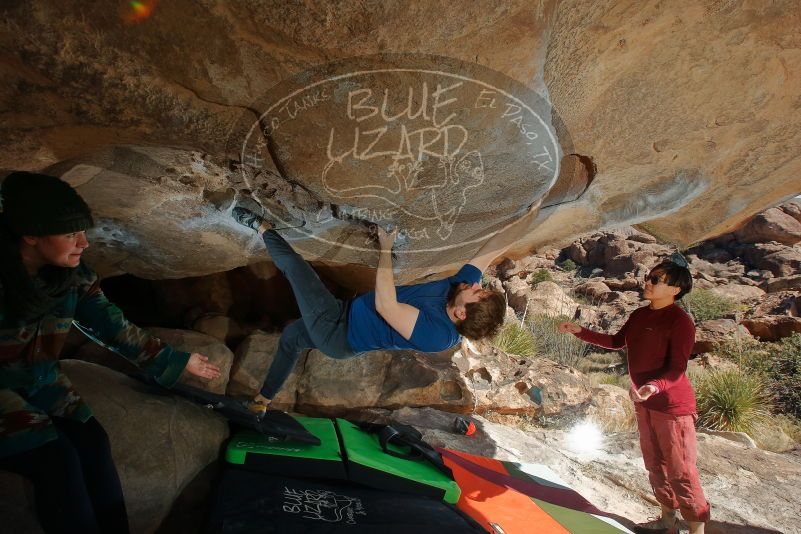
(38, 204)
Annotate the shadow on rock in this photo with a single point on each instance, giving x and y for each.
(724, 527)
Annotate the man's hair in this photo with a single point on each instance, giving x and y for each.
(484, 318)
(675, 276)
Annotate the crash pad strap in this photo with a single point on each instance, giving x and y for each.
(370, 465)
(566, 498)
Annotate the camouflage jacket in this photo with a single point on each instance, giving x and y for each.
(32, 386)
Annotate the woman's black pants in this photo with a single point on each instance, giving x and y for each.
(76, 483)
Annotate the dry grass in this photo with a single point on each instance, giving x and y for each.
(613, 379)
(601, 362)
(620, 419)
(790, 425)
(778, 433)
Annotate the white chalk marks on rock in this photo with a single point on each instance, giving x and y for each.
(444, 150)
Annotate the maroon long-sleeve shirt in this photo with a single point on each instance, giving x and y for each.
(658, 345)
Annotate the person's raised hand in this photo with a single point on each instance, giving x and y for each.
(644, 393)
(199, 365)
(568, 327)
(386, 239)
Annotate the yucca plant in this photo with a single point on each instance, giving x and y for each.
(732, 400)
(562, 348)
(516, 339)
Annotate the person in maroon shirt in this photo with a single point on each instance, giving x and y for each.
(658, 339)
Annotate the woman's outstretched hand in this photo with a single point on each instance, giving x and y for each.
(568, 327)
(199, 365)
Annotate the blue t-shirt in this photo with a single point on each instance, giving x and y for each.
(433, 332)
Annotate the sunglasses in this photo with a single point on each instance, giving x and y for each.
(655, 279)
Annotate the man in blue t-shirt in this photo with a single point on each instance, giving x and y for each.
(428, 317)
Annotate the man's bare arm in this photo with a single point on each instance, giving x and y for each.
(400, 316)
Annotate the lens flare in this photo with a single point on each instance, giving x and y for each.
(139, 10)
(585, 438)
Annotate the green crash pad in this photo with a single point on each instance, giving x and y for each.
(368, 464)
(259, 452)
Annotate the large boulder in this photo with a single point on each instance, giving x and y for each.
(214, 349)
(784, 262)
(628, 283)
(793, 209)
(778, 303)
(709, 334)
(332, 386)
(547, 298)
(380, 379)
(608, 68)
(595, 290)
(577, 253)
(753, 253)
(508, 384)
(252, 360)
(772, 327)
(417, 379)
(782, 283)
(229, 331)
(738, 292)
(159, 442)
(773, 224)
(523, 266)
(518, 294)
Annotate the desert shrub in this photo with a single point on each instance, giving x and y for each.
(747, 353)
(542, 275)
(732, 399)
(516, 339)
(566, 349)
(784, 374)
(568, 265)
(706, 305)
(779, 363)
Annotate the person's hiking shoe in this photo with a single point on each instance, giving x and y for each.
(245, 217)
(256, 408)
(658, 526)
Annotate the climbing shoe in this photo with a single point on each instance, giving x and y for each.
(256, 408)
(245, 217)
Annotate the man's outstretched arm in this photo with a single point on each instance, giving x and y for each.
(505, 238)
(401, 317)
